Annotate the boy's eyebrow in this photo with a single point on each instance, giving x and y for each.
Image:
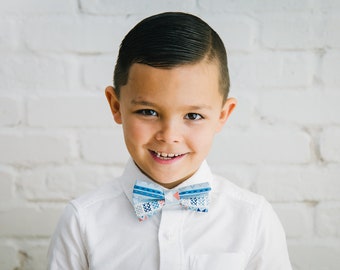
(151, 104)
(142, 102)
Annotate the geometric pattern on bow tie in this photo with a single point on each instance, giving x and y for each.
(149, 198)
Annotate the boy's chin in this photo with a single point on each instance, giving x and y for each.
(167, 180)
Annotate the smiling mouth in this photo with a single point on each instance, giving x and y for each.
(165, 156)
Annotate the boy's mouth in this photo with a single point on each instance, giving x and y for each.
(165, 156)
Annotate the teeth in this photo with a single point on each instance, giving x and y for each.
(166, 155)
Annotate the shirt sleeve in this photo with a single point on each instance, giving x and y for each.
(67, 249)
(270, 246)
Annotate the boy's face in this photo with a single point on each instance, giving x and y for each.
(170, 117)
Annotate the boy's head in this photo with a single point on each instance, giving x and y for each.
(171, 86)
(168, 40)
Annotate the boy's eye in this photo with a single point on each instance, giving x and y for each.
(193, 116)
(147, 112)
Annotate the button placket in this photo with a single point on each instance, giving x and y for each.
(170, 239)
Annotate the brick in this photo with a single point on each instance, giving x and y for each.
(7, 177)
(221, 6)
(329, 70)
(257, 145)
(288, 184)
(104, 147)
(241, 175)
(313, 108)
(244, 113)
(69, 111)
(63, 183)
(237, 32)
(295, 70)
(28, 254)
(328, 219)
(330, 144)
(278, 70)
(32, 255)
(37, 7)
(329, 27)
(47, 183)
(88, 179)
(32, 148)
(283, 6)
(10, 111)
(8, 34)
(327, 5)
(315, 255)
(8, 257)
(37, 73)
(296, 31)
(296, 218)
(97, 72)
(28, 221)
(67, 34)
(105, 7)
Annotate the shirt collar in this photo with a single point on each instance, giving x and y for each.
(132, 173)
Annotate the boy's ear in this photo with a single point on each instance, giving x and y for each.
(114, 104)
(227, 109)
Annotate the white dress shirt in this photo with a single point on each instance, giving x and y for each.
(101, 231)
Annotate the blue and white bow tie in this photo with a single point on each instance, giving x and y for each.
(149, 198)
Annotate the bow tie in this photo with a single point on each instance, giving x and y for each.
(149, 198)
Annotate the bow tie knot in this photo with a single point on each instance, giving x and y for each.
(149, 198)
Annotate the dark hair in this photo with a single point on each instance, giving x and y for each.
(168, 40)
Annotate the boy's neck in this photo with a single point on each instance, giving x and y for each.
(172, 184)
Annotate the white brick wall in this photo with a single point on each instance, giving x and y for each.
(58, 140)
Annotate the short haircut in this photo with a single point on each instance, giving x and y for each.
(169, 40)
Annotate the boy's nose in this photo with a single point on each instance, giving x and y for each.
(169, 132)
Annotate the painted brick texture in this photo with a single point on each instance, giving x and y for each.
(58, 139)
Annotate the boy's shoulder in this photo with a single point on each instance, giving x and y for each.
(108, 191)
(227, 190)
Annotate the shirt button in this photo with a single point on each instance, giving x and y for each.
(169, 236)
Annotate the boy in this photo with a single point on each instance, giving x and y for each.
(167, 210)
